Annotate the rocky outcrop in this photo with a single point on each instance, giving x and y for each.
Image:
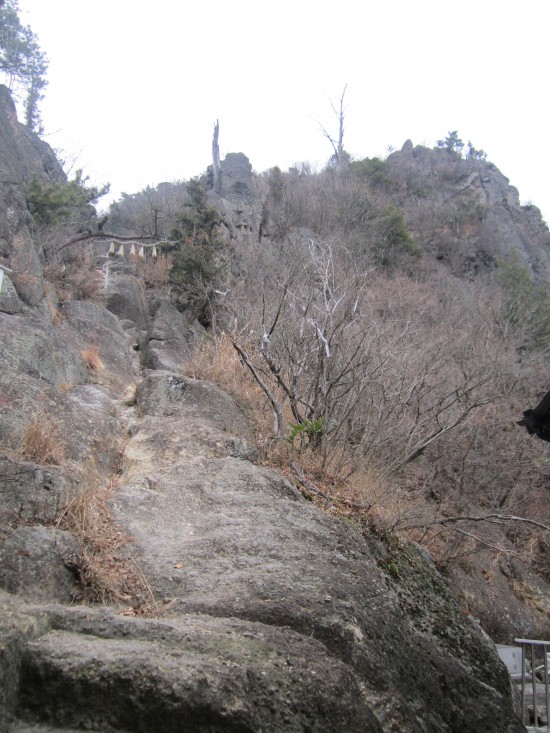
(238, 200)
(266, 613)
(170, 337)
(466, 211)
(22, 154)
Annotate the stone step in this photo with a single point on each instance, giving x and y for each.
(213, 675)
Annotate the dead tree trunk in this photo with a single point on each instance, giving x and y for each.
(216, 159)
(339, 157)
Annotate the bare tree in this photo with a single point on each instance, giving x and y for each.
(363, 368)
(340, 158)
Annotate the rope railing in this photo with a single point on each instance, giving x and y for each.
(136, 247)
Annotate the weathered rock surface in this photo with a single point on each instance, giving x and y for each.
(124, 296)
(468, 211)
(22, 154)
(278, 616)
(169, 339)
(9, 300)
(238, 200)
(34, 563)
(102, 331)
(217, 535)
(31, 493)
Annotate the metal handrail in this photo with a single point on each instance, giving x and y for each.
(536, 651)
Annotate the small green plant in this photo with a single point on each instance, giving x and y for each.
(197, 224)
(312, 429)
(197, 263)
(474, 154)
(373, 170)
(392, 240)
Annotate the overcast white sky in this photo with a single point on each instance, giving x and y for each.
(135, 87)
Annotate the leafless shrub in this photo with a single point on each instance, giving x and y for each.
(76, 277)
(370, 371)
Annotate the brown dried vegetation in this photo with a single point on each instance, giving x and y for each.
(42, 441)
(105, 573)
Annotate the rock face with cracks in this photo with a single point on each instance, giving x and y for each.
(277, 616)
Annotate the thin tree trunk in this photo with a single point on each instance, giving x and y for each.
(216, 159)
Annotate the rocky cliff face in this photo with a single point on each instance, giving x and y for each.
(235, 603)
(23, 154)
(467, 211)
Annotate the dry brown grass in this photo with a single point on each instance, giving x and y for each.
(215, 360)
(42, 442)
(105, 572)
(92, 359)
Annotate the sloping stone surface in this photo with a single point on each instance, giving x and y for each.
(124, 295)
(278, 616)
(217, 535)
(101, 330)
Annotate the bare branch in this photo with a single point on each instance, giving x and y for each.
(489, 518)
(279, 420)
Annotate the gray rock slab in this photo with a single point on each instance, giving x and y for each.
(199, 674)
(124, 296)
(9, 300)
(33, 347)
(169, 340)
(31, 493)
(102, 329)
(217, 535)
(33, 563)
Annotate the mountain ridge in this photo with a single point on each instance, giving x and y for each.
(213, 595)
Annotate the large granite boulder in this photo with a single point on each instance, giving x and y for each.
(124, 295)
(170, 338)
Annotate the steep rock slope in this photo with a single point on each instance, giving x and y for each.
(274, 614)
